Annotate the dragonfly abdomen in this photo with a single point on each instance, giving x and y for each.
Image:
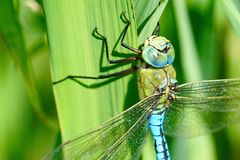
(156, 127)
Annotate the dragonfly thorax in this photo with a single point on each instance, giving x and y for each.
(158, 52)
(154, 80)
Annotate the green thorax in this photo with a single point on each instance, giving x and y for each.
(149, 79)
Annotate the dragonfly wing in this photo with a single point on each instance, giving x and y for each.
(129, 146)
(203, 107)
(114, 139)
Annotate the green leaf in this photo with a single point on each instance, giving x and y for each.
(144, 9)
(13, 36)
(232, 10)
(189, 55)
(152, 22)
(75, 51)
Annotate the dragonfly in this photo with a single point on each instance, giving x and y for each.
(166, 108)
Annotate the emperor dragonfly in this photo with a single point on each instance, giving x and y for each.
(166, 108)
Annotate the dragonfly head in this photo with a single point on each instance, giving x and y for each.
(158, 52)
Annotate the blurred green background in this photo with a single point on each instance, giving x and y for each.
(205, 34)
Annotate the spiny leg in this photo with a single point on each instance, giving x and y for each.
(103, 76)
(125, 19)
(104, 39)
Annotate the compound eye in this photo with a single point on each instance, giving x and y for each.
(153, 57)
(158, 52)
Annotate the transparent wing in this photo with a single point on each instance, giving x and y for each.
(203, 107)
(121, 137)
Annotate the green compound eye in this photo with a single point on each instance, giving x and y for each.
(158, 52)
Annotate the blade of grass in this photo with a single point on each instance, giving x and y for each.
(232, 11)
(151, 23)
(74, 51)
(144, 9)
(13, 36)
(189, 55)
(192, 70)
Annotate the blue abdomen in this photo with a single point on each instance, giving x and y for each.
(156, 127)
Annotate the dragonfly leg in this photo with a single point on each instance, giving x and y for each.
(104, 39)
(103, 76)
(124, 18)
(97, 35)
